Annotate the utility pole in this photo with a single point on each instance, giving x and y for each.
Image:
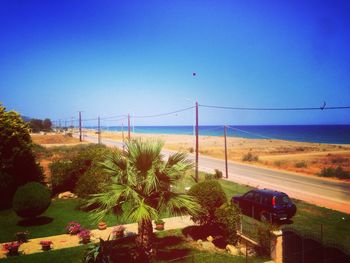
(196, 172)
(129, 126)
(99, 129)
(80, 135)
(226, 168)
(123, 135)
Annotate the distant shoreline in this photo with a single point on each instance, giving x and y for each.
(329, 134)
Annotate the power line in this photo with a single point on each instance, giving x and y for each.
(163, 114)
(275, 109)
(251, 133)
(115, 116)
(120, 119)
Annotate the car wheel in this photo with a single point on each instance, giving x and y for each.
(264, 217)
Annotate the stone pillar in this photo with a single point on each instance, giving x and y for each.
(276, 239)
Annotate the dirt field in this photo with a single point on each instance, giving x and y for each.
(53, 138)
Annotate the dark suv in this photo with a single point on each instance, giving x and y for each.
(266, 205)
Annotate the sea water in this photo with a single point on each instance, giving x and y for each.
(336, 134)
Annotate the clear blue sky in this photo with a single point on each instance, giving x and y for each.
(114, 57)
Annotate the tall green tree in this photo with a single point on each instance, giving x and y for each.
(17, 161)
(141, 188)
(36, 125)
(47, 125)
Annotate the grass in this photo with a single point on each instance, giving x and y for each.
(67, 255)
(61, 212)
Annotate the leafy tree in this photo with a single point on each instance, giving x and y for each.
(17, 161)
(47, 125)
(36, 125)
(228, 217)
(141, 188)
(211, 196)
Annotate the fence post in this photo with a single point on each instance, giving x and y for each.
(276, 239)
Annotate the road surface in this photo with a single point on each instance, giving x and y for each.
(323, 192)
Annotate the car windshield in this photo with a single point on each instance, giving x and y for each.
(282, 200)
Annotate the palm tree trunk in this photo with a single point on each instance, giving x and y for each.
(144, 239)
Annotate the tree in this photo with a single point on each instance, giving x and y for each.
(17, 161)
(47, 125)
(36, 125)
(141, 188)
(211, 196)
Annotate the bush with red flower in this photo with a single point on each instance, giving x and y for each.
(12, 248)
(73, 228)
(46, 244)
(84, 235)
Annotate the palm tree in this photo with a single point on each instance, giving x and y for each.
(141, 187)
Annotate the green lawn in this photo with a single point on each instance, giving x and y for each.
(68, 255)
(60, 212)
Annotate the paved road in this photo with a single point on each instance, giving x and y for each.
(323, 192)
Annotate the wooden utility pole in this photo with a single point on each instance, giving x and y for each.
(196, 172)
(123, 135)
(99, 130)
(129, 126)
(80, 135)
(226, 168)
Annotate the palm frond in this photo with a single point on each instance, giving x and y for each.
(179, 204)
(141, 212)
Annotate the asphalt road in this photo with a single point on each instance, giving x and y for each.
(323, 192)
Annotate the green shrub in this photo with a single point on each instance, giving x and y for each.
(210, 196)
(92, 181)
(228, 218)
(280, 163)
(338, 160)
(41, 151)
(65, 173)
(300, 165)
(7, 189)
(16, 153)
(61, 178)
(217, 175)
(31, 200)
(249, 157)
(338, 172)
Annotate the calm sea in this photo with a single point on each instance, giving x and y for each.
(338, 134)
